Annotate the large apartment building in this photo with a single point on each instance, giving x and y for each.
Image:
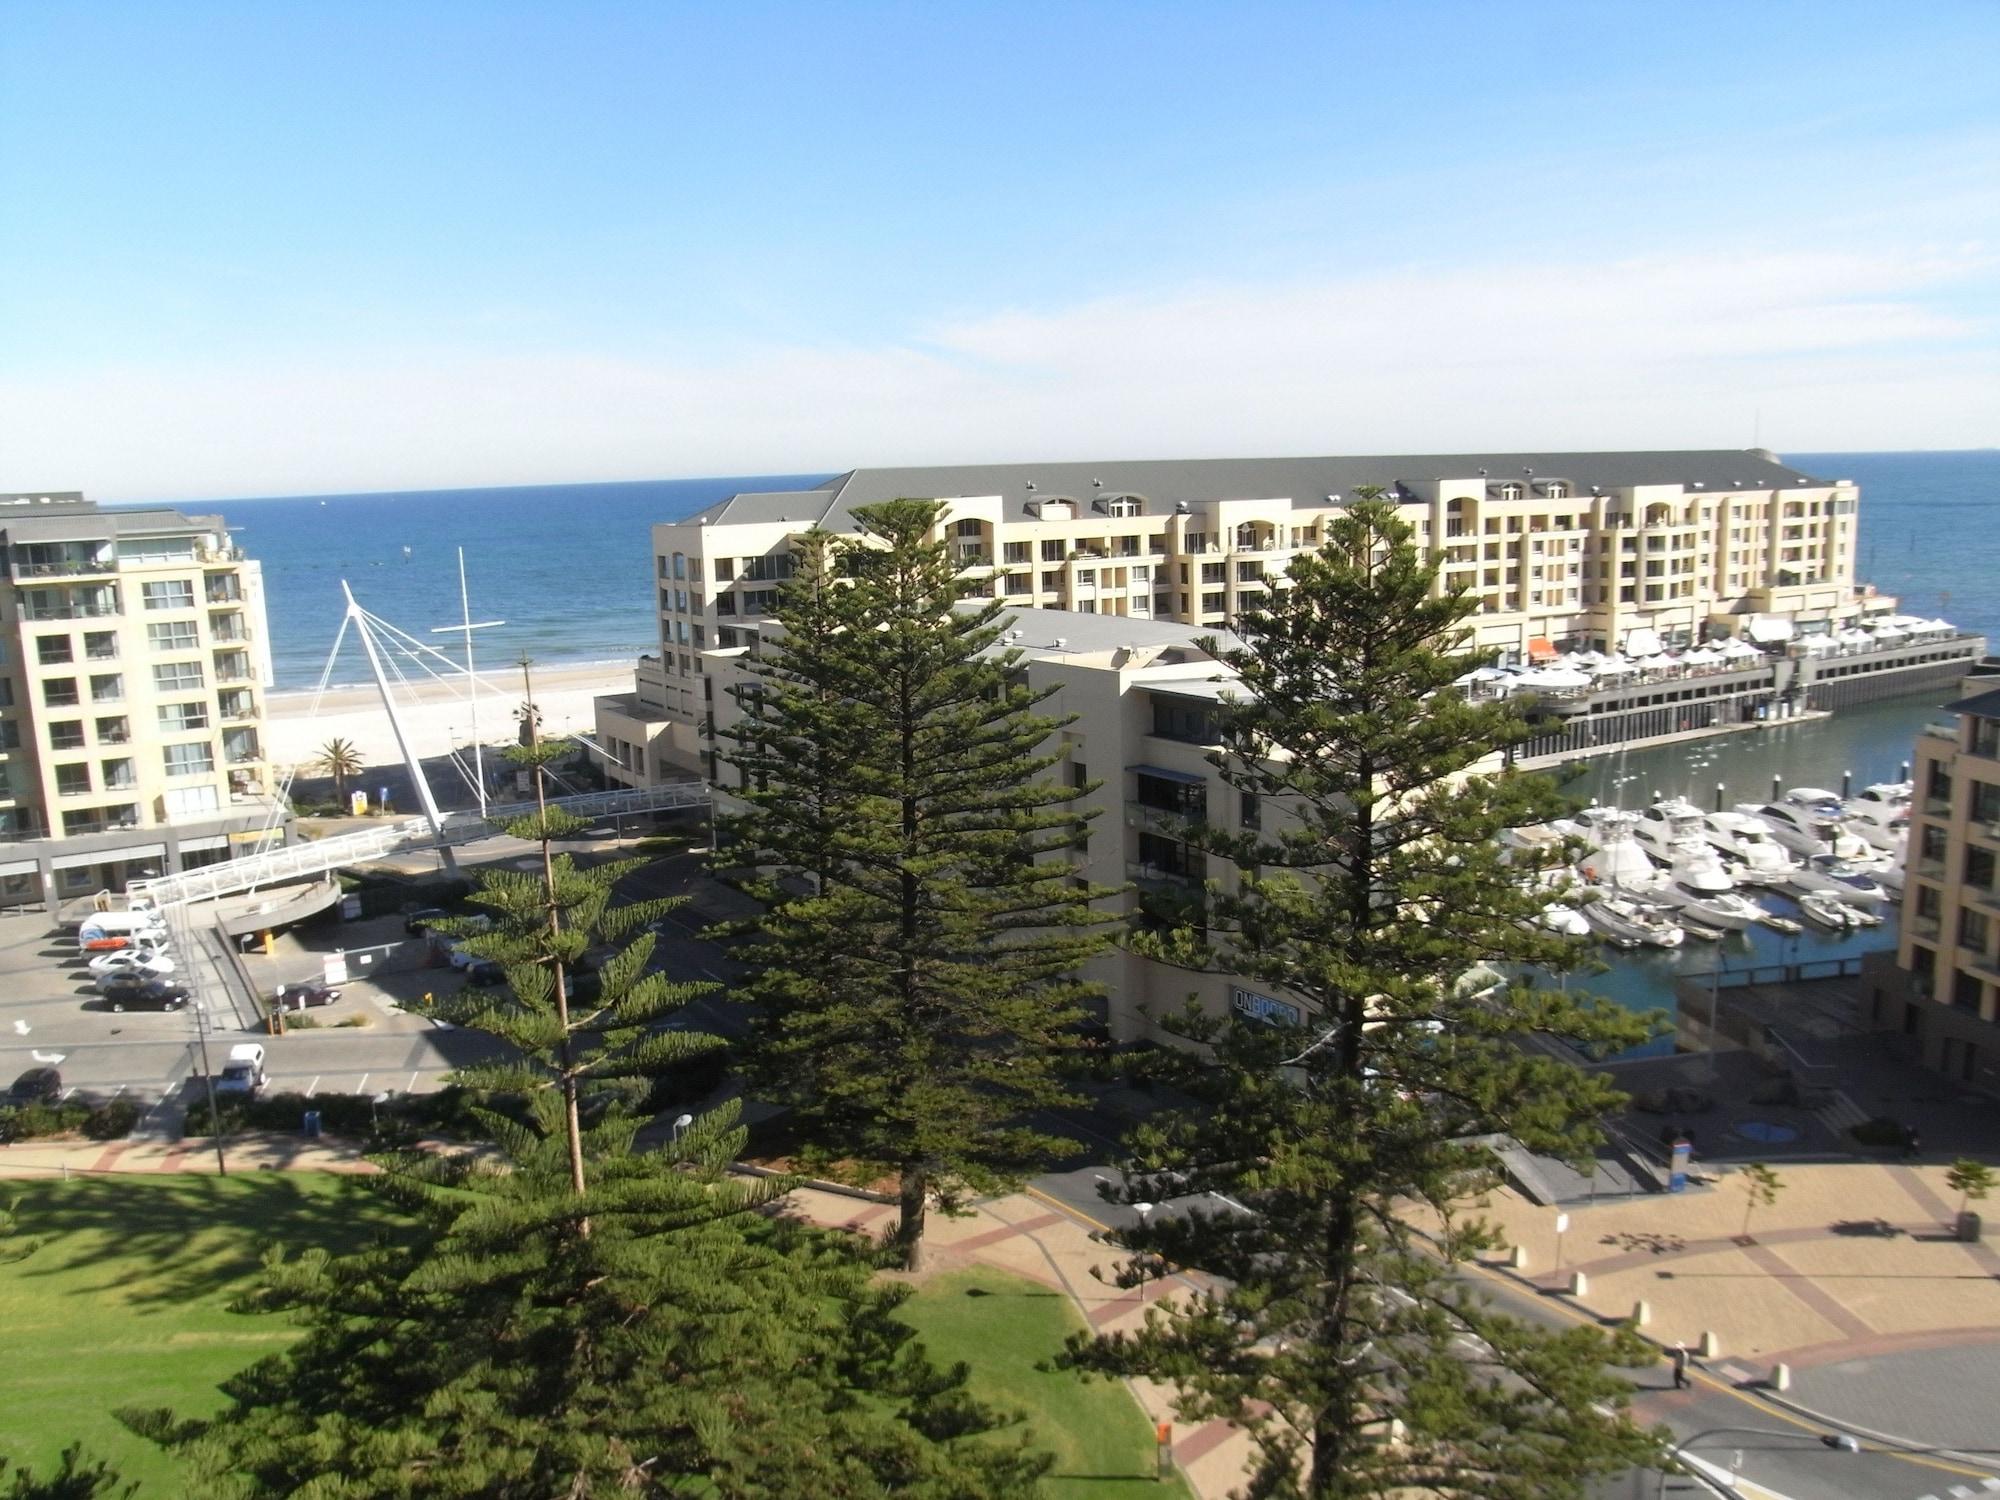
(1563, 551)
(133, 663)
(1949, 950)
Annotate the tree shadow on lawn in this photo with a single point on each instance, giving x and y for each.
(166, 1240)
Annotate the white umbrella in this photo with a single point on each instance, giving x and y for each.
(1585, 659)
(1701, 656)
(1613, 666)
(1740, 649)
(1552, 677)
(1481, 674)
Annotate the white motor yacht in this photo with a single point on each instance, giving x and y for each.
(1806, 831)
(1702, 890)
(1746, 845)
(1888, 873)
(1839, 877)
(1612, 858)
(1881, 825)
(1827, 909)
(1667, 822)
(1630, 923)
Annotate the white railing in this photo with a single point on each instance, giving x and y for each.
(319, 856)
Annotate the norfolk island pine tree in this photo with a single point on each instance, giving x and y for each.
(1338, 1336)
(916, 967)
(584, 1317)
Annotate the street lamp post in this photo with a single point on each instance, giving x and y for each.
(1144, 1211)
(208, 1078)
(1840, 1442)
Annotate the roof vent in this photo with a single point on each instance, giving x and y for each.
(1060, 642)
(1031, 484)
(1181, 508)
(1097, 484)
(1482, 473)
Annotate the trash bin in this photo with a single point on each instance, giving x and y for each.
(1968, 1226)
(310, 1127)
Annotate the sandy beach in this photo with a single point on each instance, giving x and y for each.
(438, 716)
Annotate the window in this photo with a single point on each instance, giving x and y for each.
(113, 731)
(1051, 580)
(1016, 552)
(100, 645)
(1510, 492)
(1175, 720)
(1985, 802)
(1125, 505)
(173, 593)
(1559, 492)
(725, 569)
(59, 692)
(774, 568)
(195, 758)
(66, 734)
(178, 676)
(1931, 842)
(107, 687)
(1086, 575)
(1930, 902)
(118, 773)
(1979, 869)
(1213, 572)
(10, 735)
(1213, 604)
(680, 565)
(1251, 815)
(188, 801)
(1170, 858)
(53, 650)
(969, 529)
(1052, 551)
(175, 635)
(72, 780)
(179, 718)
(1972, 929)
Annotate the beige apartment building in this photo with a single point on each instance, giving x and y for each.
(1949, 951)
(133, 664)
(1612, 551)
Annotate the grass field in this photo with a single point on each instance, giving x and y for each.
(125, 1302)
(1002, 1326)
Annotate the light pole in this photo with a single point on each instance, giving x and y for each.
(681, 1123)
(1144, 1211)
(465, 629)
(1840, 1442)
(208, 1078)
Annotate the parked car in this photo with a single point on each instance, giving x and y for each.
(484, 971)
(244, 1072)
(153, 963)
(418, 922)
(305, 996)
(136, 992)
(36, 1086)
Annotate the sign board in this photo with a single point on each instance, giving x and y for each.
(1677, 1172)
(333, 969)
(1263, 1008)
(357, 803)
(350, 908)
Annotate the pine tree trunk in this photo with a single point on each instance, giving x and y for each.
(910, 1224)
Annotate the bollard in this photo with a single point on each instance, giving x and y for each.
(1781, 1377)
(1642, 1314)
(1904, 774)
(1517, 1258)
(1777, 787)
(1720, 792)
(1710, 1345)
(1579, 1284)
(1846, 784)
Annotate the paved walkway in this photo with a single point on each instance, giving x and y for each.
(1854, 1279)
(1023, 1234)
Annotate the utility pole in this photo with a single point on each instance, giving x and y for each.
(208, 1078)
(465, 629)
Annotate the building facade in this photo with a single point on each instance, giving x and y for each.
(1949, 950)
(1563, 551)
(133, 664)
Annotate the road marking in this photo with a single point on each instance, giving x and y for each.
(313, 1087)
(413, 1082)
(361, 1085)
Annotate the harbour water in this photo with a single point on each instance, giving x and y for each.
(1872, 741)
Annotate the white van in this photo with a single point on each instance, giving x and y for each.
(243, 1073)
(106, 931)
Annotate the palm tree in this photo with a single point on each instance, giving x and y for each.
(340, 760)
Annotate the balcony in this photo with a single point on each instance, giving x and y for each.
(84, 569)
(214, 557)
(1924, 927)
(231, 594)
(230, 629)
(243, 707)
(1149, 876)
(72, 611)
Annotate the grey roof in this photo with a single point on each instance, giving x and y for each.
(1304, 481)
(1083, 633)
(1980, 705)
(85, 522)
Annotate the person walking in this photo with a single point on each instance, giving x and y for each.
(1681, 1381)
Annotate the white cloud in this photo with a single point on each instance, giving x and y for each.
(1835, 349)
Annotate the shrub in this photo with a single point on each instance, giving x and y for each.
(356, 1020)
(1880, 1131)
(113, 1121)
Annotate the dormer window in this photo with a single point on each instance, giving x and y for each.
(1510, 492)
(1055, 508)
(1558, 491)
(1121, 506)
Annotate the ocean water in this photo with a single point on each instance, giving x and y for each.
(569, 567)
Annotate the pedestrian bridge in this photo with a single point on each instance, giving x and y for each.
(316, 858)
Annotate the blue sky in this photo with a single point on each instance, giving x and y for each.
(255, 249)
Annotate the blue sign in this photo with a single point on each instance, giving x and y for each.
(1677, 1173)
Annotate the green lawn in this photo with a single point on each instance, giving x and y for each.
(1002, 1326)
(126, 1303)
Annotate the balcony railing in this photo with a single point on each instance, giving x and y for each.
(68, 611)
(63, 569)
(224, 634)
(233, 674)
